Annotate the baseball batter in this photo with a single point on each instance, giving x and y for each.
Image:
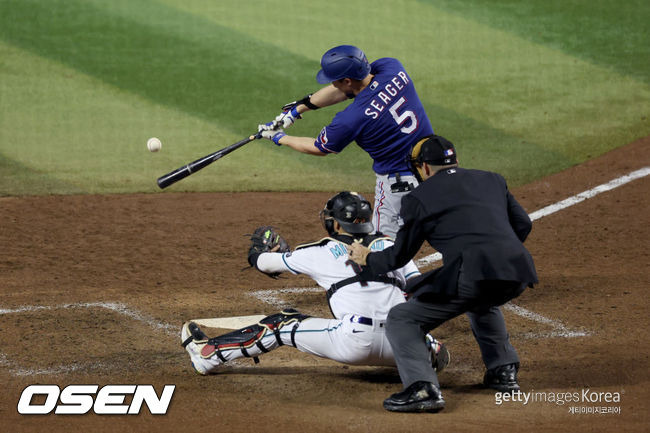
(359, 304)
(386, 119)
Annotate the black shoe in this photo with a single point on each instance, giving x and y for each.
(503, 378)
(419, 397)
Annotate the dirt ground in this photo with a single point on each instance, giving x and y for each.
(94, 289)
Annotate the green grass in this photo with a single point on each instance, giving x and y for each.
(526, 91)
(611, 34)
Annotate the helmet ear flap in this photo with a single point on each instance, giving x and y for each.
(327, 220)
(415, 169)
(414, 159)
(329, 226)
(352, 213)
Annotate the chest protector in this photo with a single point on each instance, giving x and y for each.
(362, 276)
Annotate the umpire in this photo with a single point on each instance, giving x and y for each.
(471, 218)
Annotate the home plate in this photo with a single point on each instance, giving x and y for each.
(229, 322)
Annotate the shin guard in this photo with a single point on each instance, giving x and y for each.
(247, 342)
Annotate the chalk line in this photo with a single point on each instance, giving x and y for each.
(548, 210)
(559, 329)
(272, 297)
(551, 209)
(16, 370)
(117, 307)
(113, 306)
(428, 260)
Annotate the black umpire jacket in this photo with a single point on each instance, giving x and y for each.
(470, 217)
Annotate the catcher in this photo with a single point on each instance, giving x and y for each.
(356, 334)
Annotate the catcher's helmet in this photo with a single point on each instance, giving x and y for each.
(349, 209)
(344, 61)
(434, 150)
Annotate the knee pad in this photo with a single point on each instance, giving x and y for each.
(275, 322)
(248, 338)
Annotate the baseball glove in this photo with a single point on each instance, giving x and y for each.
(266, 240)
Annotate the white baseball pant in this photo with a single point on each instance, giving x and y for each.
(386, 217)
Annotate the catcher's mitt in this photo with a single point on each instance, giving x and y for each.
(266, 240)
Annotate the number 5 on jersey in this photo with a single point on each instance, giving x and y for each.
(402, 118)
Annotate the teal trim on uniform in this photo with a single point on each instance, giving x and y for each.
(384, 238)
(287, 264)
(304, 330)
(319, 330)
(339, 251)
(410, 274)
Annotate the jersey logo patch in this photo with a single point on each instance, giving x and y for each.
(322, 137)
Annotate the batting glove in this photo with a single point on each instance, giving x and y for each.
(272, 132)
(288, 118)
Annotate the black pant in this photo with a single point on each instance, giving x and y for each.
(408, 322)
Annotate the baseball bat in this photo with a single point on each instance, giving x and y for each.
(181, 173)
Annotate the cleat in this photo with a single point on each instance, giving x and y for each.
(419, 397)
(192, 332)
(502, 378)
(193, 340)
(440, 356)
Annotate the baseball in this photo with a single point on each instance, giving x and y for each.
(153, 144)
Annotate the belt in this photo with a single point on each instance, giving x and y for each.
(364, 320)
(401, 173)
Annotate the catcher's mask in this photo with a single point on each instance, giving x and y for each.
(434, 150)
(351, 211)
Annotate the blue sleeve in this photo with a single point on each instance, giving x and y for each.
(334, 137)
(385, 64)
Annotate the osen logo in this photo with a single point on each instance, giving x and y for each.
(80, 399)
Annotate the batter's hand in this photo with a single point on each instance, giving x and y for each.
(288, 118)
(358, 253)
(271, 131)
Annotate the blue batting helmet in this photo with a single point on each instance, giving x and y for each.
(344, 61)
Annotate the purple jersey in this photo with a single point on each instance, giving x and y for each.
(385, 119)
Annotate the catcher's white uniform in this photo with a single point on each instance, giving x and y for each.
(356, 334)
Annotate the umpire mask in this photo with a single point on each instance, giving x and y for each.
(434, 150)
(351, 210)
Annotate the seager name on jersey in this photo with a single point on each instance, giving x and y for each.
(385, 96)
